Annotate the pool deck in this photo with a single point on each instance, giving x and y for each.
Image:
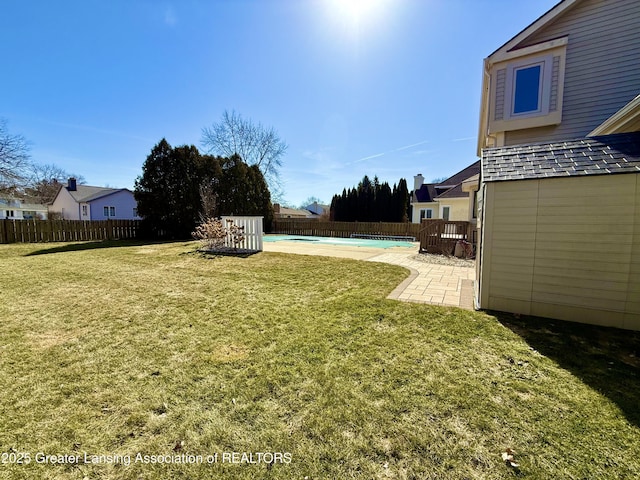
(427, 283)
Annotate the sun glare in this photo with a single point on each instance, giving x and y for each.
(357, 12)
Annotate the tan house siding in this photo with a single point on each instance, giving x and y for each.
(632, 316)
(565, 248)
(508, 245)
(602, 57)
(458, 208)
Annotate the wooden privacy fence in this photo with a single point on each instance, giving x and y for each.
(31, 231)
(344, 229)
(441, 236)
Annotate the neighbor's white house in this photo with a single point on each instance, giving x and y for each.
(83, 202)
(453, 199)
(14, 209)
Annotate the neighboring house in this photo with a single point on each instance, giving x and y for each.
(284, 212)
(452, 199)
(14, 209)
(317, 209)
(560, 182)
(83, 202)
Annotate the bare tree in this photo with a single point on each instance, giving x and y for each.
(14, 159)
(44, 181)
(256, 145)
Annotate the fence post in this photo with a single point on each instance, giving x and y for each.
(3, 232)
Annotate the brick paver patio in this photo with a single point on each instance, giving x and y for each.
(432, 283)
(428, 282)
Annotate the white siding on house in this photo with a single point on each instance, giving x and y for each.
(565, 248)
(65, 205)
(601, 70)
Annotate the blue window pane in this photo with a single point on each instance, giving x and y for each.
(527, 92)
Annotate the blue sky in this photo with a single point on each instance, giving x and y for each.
(378, 87)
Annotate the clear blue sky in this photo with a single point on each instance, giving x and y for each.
(354, 87)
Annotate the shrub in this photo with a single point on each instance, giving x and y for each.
(212, 233)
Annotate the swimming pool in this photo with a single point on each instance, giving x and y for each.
(346, 242)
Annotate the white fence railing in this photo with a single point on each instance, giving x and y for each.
(252, 232)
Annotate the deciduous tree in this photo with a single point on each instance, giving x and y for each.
(253, 142)
(14, 159)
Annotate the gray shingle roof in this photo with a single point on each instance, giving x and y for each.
(607, 154)
(86, 193)
(426, 193)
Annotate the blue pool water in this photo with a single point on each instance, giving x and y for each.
(349, 242)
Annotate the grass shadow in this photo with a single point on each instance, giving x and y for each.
(211, 254)
(606, 359)
(94, 245)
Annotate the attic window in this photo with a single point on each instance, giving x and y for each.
(527, 89)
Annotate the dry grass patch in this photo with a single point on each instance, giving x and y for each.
(167, 352)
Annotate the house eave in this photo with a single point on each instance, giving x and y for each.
(625, 120)
(540, 23)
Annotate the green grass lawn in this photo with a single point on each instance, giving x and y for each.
(300, 361)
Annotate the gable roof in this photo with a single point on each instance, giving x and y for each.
(86, 193)
(461, 176)
(545, 19)
(426, 193)
(602, 155)
(296, 212)
(448, 188)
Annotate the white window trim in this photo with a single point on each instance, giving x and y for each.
(425, 210)
(517, 59)
(544, 89)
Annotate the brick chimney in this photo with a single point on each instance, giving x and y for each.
(71, 185)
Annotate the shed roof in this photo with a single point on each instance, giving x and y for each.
(608, 154)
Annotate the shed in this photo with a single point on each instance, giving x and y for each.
(560, 230)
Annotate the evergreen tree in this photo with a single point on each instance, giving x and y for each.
(178, 187)
(402, 201)
(168, 193)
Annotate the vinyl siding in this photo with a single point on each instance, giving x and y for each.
(565, 248)
(632, 316)
(501, 79)
(122, 200)
(601, 69)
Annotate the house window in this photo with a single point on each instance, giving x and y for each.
(527, 89)
(445, 213)
(112, 211)
(106, 211)
(10, 214)
(84, 210)
(426, 213)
